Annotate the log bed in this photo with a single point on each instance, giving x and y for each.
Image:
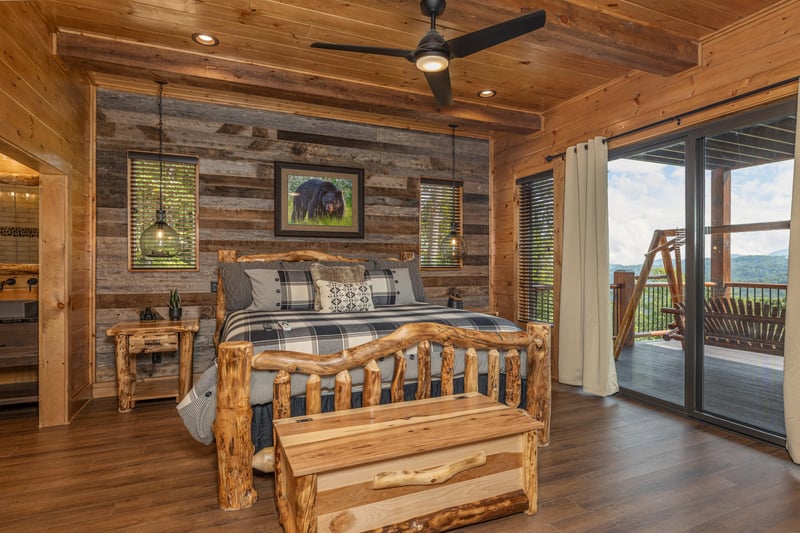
(236, 454)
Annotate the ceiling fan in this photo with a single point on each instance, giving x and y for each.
(433, 53)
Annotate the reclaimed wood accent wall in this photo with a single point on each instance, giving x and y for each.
(743, 58)
(45, 125)
(237, 147)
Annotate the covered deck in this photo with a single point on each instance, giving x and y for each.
(738, 384)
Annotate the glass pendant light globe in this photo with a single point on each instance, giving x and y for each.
(160, 240)
(453, 245)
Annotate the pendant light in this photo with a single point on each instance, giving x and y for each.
(453, 245)
(159, 240)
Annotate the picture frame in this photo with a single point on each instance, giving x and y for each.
(318, 201)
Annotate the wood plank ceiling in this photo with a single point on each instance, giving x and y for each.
(264, 51)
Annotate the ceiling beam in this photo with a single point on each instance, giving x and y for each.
(603, 36)
(591, 33)
(124, 57)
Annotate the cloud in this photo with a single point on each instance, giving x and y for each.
(643, 197)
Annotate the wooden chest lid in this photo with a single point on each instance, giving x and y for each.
(333, 441)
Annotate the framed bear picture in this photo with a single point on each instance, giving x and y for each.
(318, 201)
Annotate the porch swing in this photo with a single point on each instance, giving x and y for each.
(728, 322)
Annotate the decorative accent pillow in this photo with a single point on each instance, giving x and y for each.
(344, 297)
(236, 284)
(273, 290)
(339, 274)
(391, 286)
(413, 271)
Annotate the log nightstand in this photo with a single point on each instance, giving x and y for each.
(137, 337)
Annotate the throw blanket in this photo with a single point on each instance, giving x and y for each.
(323, 333)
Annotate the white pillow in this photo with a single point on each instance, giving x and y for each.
(344, 297)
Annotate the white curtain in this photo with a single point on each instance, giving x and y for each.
(585, 344)
(791, 351)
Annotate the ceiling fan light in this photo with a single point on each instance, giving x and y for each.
(432, 62)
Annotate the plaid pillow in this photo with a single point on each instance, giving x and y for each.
(344, 297)
(383, 290)
(391, 286)
(275, 290)
(297, 290)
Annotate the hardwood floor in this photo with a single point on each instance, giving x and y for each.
(613, 465)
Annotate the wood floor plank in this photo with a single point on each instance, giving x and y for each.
(613, 465)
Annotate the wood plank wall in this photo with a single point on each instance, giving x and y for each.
(237, 147)
(44, 123)
(756, 53)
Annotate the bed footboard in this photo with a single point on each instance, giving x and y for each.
(235, 451)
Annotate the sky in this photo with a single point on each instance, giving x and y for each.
(646, 196)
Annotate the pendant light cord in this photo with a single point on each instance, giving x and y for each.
(161, 144)
(453, 173)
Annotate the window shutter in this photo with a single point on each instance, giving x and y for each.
(535, 298)
(439, 205)
(180, 202)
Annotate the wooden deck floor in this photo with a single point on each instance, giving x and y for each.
(613, 465)
(743, 386)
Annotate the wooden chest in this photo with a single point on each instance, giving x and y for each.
(444, 462)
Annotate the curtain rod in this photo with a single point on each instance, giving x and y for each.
(677, 118)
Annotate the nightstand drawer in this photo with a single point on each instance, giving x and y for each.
(153, 343)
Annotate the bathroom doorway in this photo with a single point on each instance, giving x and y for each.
(19, 283)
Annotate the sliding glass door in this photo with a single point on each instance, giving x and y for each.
(748, 173)
(646, 197)
(699, 232)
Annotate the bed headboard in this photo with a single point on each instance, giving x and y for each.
(231, 256)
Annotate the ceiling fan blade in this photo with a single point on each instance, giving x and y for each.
(440, 86)
(394, 52)
(482, 39)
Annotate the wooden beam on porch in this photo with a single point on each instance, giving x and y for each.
(720, 242)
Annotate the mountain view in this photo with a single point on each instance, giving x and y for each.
(772, 268)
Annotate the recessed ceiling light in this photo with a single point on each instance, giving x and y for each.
(205, 39)
(487, 93)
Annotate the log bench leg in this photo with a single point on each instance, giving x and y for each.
(531, 472)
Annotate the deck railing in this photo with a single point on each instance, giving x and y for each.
(649, 321)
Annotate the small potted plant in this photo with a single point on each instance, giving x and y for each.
(175, 309)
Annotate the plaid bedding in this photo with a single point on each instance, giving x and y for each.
(323, 333)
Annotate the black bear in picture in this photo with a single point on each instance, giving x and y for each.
(315, 199)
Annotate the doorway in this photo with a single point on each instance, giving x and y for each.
(709, 210)
(19, 283)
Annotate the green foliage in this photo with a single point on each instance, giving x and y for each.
(174, 299)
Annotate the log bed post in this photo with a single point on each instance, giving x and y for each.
(538, 386)
(232, 427)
